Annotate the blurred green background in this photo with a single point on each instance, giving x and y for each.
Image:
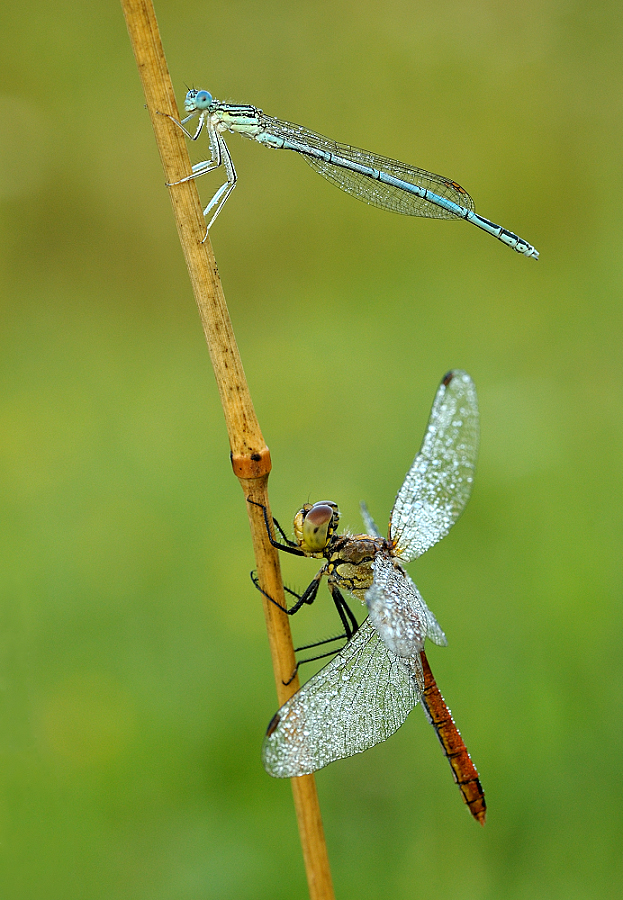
(135, 676)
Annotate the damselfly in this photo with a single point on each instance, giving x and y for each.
(376, 180)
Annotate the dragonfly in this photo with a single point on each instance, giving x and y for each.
(366, 692)
(377, 180)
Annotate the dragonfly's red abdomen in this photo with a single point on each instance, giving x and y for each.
(463, 769)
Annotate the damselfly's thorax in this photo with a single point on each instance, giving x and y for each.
(218, 116)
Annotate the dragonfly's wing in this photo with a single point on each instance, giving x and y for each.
(398, 612)
(366, 188)
(434, 632)
(358, 700)
(368, 522)
(439, 482)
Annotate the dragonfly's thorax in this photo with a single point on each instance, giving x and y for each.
(350, 559)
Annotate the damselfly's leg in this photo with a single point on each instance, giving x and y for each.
(219, 156)
(220, 198)
(200, 124)
(207, 165)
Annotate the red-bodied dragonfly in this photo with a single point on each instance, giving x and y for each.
(367, 690)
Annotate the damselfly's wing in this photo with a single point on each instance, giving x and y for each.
(439, 482)
(356, 701)
(363, 186)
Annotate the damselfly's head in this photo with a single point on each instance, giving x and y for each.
(314, 525)
(198, 101)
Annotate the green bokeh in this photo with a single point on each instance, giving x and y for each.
(134, 672)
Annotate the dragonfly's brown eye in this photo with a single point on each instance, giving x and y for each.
(316, 526)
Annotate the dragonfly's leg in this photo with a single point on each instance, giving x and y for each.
(340, 637)
(283, 534)
(289, 546)
(345, 613)
(292, 593)
(308, 596)
(311, 591)
(301, 598)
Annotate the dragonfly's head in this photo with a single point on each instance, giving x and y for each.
(315, 525)
(198, 101)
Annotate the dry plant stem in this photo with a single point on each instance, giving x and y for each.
(249, 453)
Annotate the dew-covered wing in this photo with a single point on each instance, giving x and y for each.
(396, 609)
(435, 632)
(439, 482)
(358, 700)
(398, 612)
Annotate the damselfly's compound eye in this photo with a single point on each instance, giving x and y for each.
(203, 99)
(319, 524)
